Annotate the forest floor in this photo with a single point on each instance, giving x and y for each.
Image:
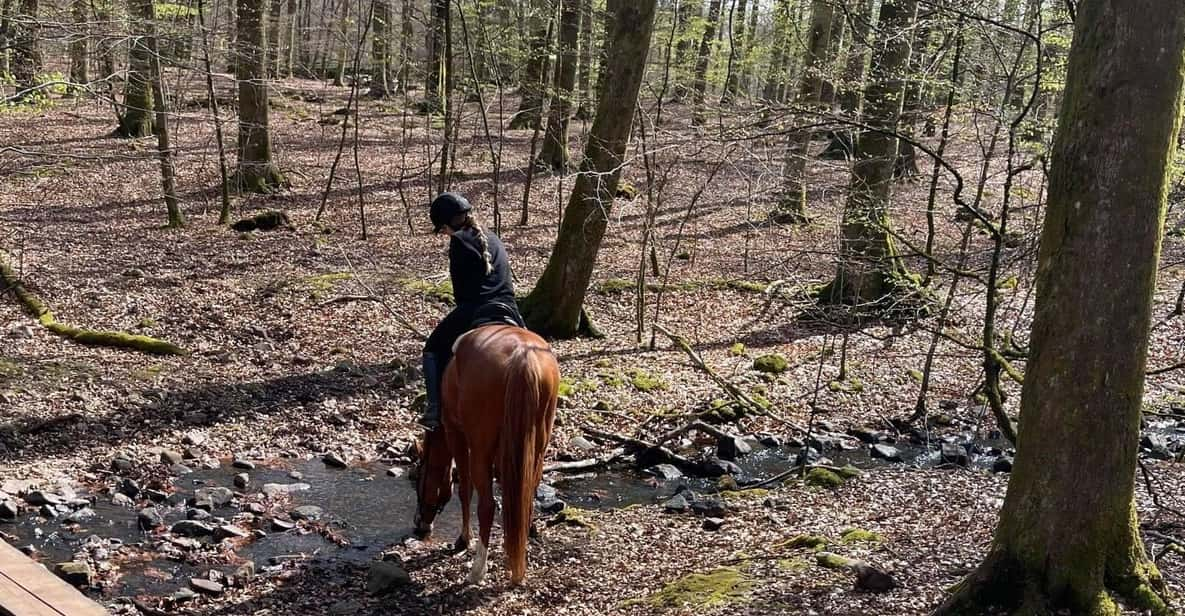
(278, 367)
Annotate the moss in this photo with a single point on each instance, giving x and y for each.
(848, 471)
(573, 516)
(718, 587)
(603, 363)
(737, 349)
(792, 564)
(319, 284)
(747, 285)
(773, 363)
(832, 560)
(749, 494)
(617, 285)
(835, 386)
(859, 535)
(823, 478)
(612, 379)
(565, 388)
(814, 542)
(916, 375)
(644, 381)
(439, 291)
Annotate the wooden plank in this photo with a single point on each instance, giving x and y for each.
(28, 589)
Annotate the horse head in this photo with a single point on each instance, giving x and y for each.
(434, 486)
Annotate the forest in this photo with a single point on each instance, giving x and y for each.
(859, 306)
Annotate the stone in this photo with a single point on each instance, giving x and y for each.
(676, 504)
(871, 579)
(395, 472)
(229, 531)
(20, 330)
(713, 524)
(218, 496)
(122, 464)
(37, 498)
(1003, 464)
(195, 513)
(122, 500)
(885, 452)
(665, 472)
(774, 363)
(718, 468)
(149, 519)
(192, 528)
(195, 419)
(183, 595)
(255, 508)
(385, 577)
(953, 453)
(544, 492)
(78, 574)
(551, 505)
(180, 469)
(334, 460)
(582, 444)
(205, 586)
(273, 490)
(245, 573)
(156, 496)
(194, 438)
(171, 457)
(246, 465)
(8, 510)
(48, 512)
(192, 453)
(280, 525)
(17, 487)
(307, 512)
(242, 480)
(709, 506)
(129, 487)
(731, 447)
(80, 516)
(176, 498)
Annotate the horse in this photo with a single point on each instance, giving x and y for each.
(498, 406)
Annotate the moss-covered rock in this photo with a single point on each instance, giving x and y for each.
(773, 363)
(718, 587)
(832, 560)
(814, 542)
(823, 478)
(737, 349)
(573, 516)
(860, 535)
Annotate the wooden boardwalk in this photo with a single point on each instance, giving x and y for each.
(29, 589)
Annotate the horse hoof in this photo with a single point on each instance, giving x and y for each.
(461, 545)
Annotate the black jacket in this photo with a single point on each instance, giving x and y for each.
(472, 287)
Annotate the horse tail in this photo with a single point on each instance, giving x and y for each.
(529, 395)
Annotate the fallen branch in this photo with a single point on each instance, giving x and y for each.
(730, 388)
(574, 466)
(38, 310)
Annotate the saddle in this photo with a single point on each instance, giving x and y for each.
(497, 313)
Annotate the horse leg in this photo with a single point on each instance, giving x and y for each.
(465, 493)
(485, 520)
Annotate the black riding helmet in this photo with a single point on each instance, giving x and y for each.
(445, 207)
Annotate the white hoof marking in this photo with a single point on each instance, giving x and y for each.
(477, 573)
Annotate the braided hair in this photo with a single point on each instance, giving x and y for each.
(469, 221)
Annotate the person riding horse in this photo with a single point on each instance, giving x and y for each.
(482, 286)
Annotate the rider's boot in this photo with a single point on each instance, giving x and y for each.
(432, 374)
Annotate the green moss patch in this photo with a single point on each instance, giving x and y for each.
(831, 560)
(718, 587)
(644, 381)
(860, 535)
(814, 542)
(823, 478)
(439, 291)
(773, 363)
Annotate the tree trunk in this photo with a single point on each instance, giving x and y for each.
(750, 45)
(1067, 539)
(684, 39)
(587, 41)
(736, 53)
(256, 171)
(792, 206)
(380, 50)
(869, 268)
(275, 16)
(406, 33)
(602, 60)
(137, 118)
(555, 142)
(853, 78)
(78, 47)
(432, 102)
(342, 45)
(6, 37)
(835, 45)
(143, 9)
(534, 86)
(699, 84)
(292, 51)
(26, 46)
(776, 76)
(554, 306)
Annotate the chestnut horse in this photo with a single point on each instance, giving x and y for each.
(498, 405)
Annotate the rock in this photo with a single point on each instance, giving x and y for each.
(176, 498)
(296, 475)
(194, 438)
(771, 441)
(395, 472)
(1003, 464)
(245, 573)
(219, 496)
(48, 512)
(676, 504)
(122, 464)
(718, 468)
(192, 453)
(544, 492)
(180, 469)
(195, 513)
(149, 519)
(871, 579)
(773, 363)
(246, 465)
(732, 447)
(206, 587)
(242, 480)
(551, 505)
(37, 498)
(122, 500)
(8, 510)
(665, 472)
(192, 528)
(130, 488)
(582, 444)
(713, 524)
(885, 452)
(229, 531)
(386, 576)
(273, 490)
(80, 516)
(709, 506)
(133, 272)
(156, 496)
(281, 525)
(195, 418)
(255, 508)
(953, 453)
(307, 512)
(823, 478)
(867, 435)
(20, 330)
(334, 460)
(78, 574)
(832, 560)
(17, 487)
(171, 457)
(182, 596)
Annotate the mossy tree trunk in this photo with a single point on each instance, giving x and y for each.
(256, 171)
(274, 21)
(143, 11)
(555, 142)
(869, 268)
(699, 81)
(79, 46)
(534, 85)
(775, 77)
(1067, 539)
(26, 45)
(792, 205)
(836, 42)
(137, 118)
(609, 17)
(380, 50)
(857, 61)
(554, 306)
(683, 40)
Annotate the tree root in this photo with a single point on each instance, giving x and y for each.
(38, 310)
